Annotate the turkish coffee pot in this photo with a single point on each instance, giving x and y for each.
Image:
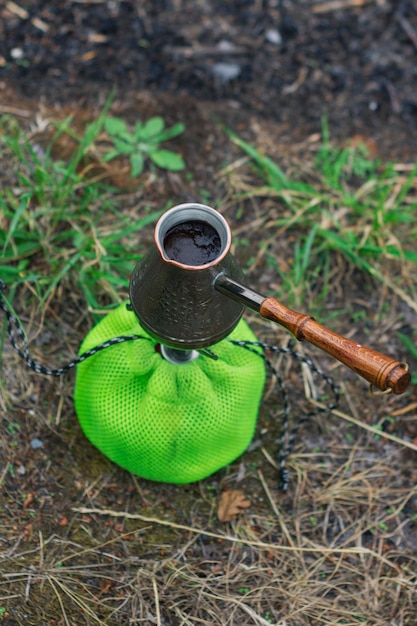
(188, 294)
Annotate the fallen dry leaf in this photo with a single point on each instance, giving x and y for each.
(231, 504)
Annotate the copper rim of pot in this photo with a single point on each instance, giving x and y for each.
(183, 213)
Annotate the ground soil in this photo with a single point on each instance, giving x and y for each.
(286, 62)
(272, 70)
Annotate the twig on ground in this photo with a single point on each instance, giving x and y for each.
(406, 26)
(15, 111)
(276, 510)
(405, 409)
(17, 10)
(337, 5)
(372, 429)
(248, 542)
(255, 616)
(157, 609)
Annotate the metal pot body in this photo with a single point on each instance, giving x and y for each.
(176, 302)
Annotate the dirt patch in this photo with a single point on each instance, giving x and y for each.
(287, 62)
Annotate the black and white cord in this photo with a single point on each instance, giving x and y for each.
(287, 437)
(18, 340)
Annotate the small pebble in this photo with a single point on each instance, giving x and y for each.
(226, 71)
(36, 443)
(225, 46)
(273, 36)
(16, 53)
(21, 470)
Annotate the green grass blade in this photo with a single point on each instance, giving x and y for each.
(407, 185)
(64, 270)
(274, 171)
(24, 203)
(141, 223)
(409, 344)
(270, 171)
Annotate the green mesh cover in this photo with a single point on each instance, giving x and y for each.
(165, 422)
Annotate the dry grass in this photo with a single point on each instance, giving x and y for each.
(83, 542)
(340, 549)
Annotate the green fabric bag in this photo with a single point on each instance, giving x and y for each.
(166, 422)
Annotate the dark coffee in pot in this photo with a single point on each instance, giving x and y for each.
(192, 243)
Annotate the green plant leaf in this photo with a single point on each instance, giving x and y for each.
(123, 147)
(150, 128)
(167, 160)
(136, 164)
(114, 126)
(172, 132)
(111, 154)
(127, 137)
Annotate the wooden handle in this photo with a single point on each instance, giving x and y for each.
(378, 369)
